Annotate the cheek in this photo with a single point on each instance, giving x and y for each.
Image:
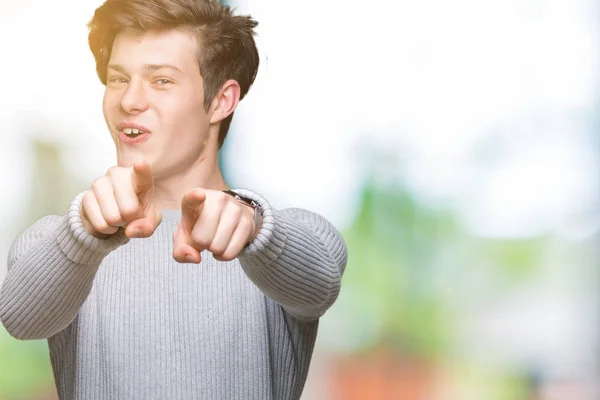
(184, 117)
(106, 110)
(108, 105)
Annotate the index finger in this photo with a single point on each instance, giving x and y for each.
(141, 177)
(191, 207)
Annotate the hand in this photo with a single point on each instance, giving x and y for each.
(122, 197)
(212, 220)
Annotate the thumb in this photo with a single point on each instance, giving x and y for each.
(183, 251)
(144, 227)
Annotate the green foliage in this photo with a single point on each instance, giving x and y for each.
(391, 267)
(25, 371)
(410, 266)
(517, 258)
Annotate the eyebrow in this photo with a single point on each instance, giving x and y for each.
(150, 67)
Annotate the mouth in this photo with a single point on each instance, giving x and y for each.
(129, 131)
(133, 132)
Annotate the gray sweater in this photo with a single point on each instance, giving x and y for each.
(124, 320)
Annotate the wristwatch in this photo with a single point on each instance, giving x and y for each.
(258, 210)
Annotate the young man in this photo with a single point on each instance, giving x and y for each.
(159, 282)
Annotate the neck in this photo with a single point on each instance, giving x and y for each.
(204, 173)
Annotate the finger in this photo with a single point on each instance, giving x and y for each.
(192, 205)
(230, 218)
(146, 226)
(105, 196)
(141, 177)
(208, 221)
(238, 241)
(93, 213)
(183, 252)
(125, 196)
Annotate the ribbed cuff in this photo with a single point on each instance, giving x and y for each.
(78, 245)
(271, 238)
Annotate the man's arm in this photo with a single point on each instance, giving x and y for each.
(297, 259)
(51, 267)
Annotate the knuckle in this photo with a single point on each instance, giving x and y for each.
(96, 184)
(217, 249)
(102, 227)
(113, 220)
(117, 180)
(112, 170)
(228, 255)
(99, 183)
(223, 198)
(200, 240)
(129, 211)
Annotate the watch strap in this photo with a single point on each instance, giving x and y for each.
(258, 210)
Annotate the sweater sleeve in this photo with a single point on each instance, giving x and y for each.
(51, 267)
(297, 259)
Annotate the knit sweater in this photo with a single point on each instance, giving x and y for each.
(124, 320)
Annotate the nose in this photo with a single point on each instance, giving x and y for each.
(134, 99)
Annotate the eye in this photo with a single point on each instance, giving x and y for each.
(163, 81)
(117, 79)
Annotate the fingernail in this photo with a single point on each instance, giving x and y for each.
(136, 233)
(190, 258)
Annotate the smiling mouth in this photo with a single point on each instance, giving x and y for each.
(133, 132)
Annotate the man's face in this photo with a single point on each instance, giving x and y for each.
(154, 85)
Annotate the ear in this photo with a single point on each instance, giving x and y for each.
(225, 101)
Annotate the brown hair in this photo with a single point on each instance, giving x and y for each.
(226, 44)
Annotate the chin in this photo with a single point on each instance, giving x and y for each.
(127, 160)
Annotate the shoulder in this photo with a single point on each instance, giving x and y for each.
(32, 234)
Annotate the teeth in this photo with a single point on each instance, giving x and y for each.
(131, 131)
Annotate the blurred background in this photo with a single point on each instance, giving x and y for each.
(454, 144)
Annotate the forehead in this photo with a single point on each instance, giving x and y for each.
(175, 47)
